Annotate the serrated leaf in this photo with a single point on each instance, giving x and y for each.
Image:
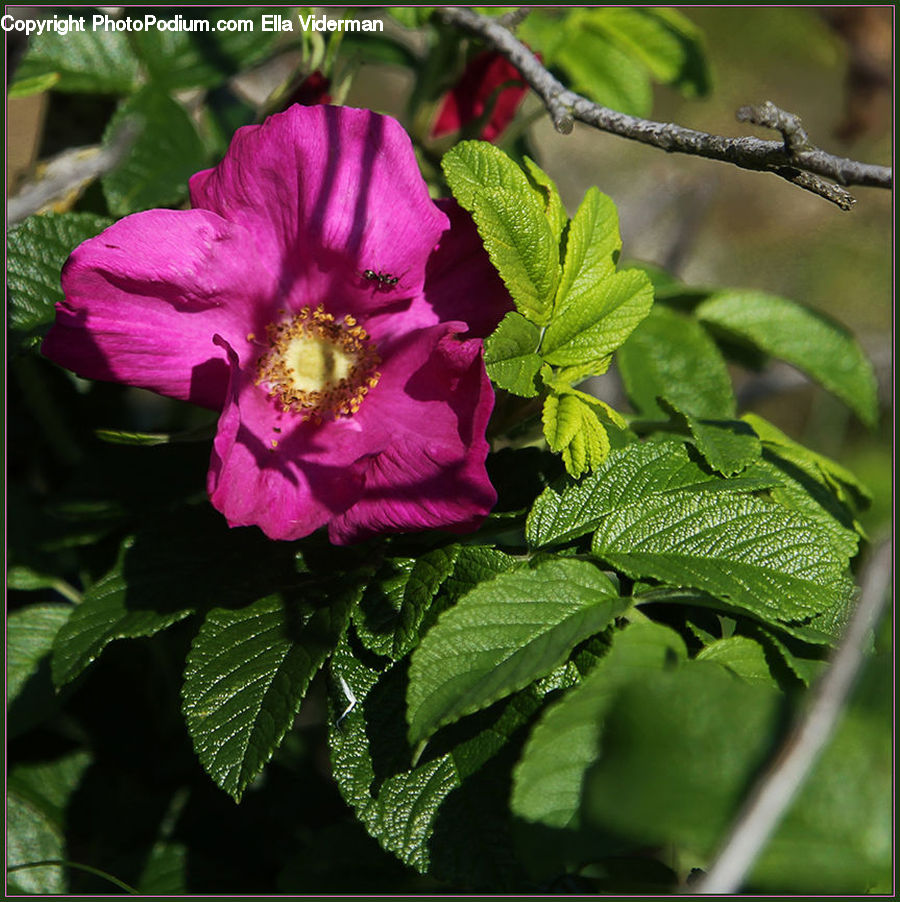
(630, 475)
(157, 166)
(670, 355)
(178, 59)
(247, 672)
(572, 428)
(503, 635)
(29, 637)
(35, 253)
(509, 214)
(741, 655)
(548, 780)
(165, 573)
(662, 40)
(601, 320)
(509, 355)
(447, 815)
(553, 205)
(805, 338)
(592, 248)
(93, 61)
(756, 555)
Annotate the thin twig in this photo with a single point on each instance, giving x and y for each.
(792, 158)
(71, 171)
(770, 798)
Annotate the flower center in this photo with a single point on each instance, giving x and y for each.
(318, 367)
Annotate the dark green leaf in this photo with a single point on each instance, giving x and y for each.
(35, 253)
(93, 61)
(805, 338)
(29, 637)
(247, 672)
(165, 154)
(630, 476)
(501, 636)
(773, 563)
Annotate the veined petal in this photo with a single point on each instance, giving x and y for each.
(144, 298)
(320, 184)
(431, 473)
(275, 471)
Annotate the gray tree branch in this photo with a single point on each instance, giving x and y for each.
(793, 158)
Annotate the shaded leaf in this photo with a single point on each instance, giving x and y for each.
(30, 632)
(501, 636)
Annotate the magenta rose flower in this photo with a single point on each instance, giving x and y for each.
(332, 312)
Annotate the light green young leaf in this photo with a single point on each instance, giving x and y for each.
(247, 672)
(29, 637)
(592, 248)
(572, 428)
(36, 85)
(90, 61)
(670, 355)
(165, 154)
(756, 555)
(553, 205)
(501, 636)
(548, 780)
(509, 355)
(805, 338)
(630, 476)
(509, 214)
(600, 321)
(35, 253)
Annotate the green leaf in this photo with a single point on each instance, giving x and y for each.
(36, 85)
(35, 253)
(602, 72)
(36, 799)
(771, 562)
(553, 205)
(164, 574)
(247, 672)
(510, 217)
(548, 780)
(630, 476)
(165, 154)
(805, 338)
(509, 355)
(600, 321)
(672, 356)
(90, 61)
(501, 636)
(447, 815)
(592, 248)
(187, 59)
(728, 446)
(663, 40)
(743, 656)
(711, 732)
(571, 427)
(29, 637)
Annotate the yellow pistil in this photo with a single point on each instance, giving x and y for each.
(318, 367)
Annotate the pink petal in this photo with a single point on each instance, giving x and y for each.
(461, 282)
(275, 471)
(431, 474)
(328, 193)
(144, 298)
